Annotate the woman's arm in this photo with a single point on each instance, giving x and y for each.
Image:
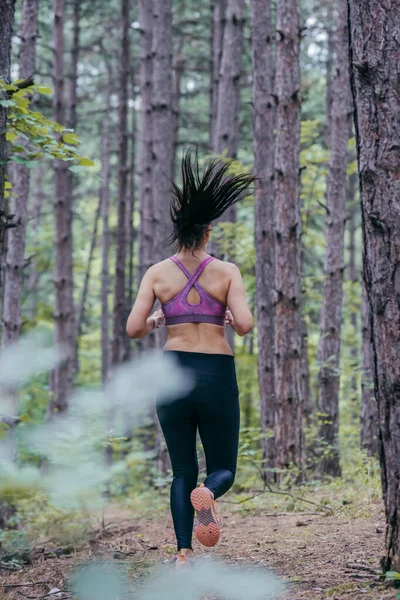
(139, 323)
(239, 315)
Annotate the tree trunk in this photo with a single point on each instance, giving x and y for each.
(130, 232)
(331, 312)
(6, 29)
(329, 69)
(305, 375)
(375, 56)
(147, 217)
(15, 258)
(82, 305)
(162, 121)
(353, 273)
(219, 20)
(105, 241)
(288, 335)
(119, 315)
(369, 409)
(263, 107)
(61, 379)
(179, 70)
(72, 120)
(34, 274)
(227, 125)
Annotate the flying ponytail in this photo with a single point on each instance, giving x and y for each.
(203, 198)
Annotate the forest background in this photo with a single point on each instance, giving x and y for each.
(135, 85)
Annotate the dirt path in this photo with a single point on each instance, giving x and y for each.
(319, 556)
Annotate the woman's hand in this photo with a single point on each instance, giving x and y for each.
(229, 320)
(156, 319)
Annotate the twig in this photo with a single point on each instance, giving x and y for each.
(362, 568)
(271, 491)
(45, 595)
(14, 585)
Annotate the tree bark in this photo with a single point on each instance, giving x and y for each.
(288, 335)
(119, 313)
(369, 408)
(179, 70)
(331, 311)
(130, 232)
(61, 378)
(305, 375)
(162, 121)
(263, 123)
(6, 29)
(353, 272)
(227, 125)
(219, 21)
(147, 209)
(93, 241)
(15, 258)
(329, 69)
(375, 56)
(72, 121)
(34, 275)
(105, 240)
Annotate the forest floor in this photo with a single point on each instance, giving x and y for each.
(318, 556)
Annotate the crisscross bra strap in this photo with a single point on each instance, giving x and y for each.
(192, 279)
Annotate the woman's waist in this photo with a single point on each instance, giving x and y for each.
(211, 367)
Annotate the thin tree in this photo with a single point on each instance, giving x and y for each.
(34, 274)
(353, 270)
(218, 8)
(64, 314)
(331, 312)
(263, 111)
(227, 123)
(162, 120)
(15, 261)
(105, 238)
(374, 59)
(119, 312)
(6, 29)
(329, 71)
(72, 121)
(288, 331)
(147, 217)
(85, 288)
(369, 408)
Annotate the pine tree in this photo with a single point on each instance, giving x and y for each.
(331, 312)
(375, 56)
(263, 107)
(64, 314)
(6, 29)
(15, 260)
(288, 333)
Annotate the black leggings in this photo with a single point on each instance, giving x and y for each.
(212, 408)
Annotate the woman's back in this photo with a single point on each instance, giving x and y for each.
(215, 280)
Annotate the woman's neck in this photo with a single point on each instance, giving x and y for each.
(200, 253)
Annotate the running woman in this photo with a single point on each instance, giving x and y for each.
(195, 291)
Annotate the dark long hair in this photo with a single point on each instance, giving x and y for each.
(203, 197)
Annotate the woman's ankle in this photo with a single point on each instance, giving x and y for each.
(186, 552)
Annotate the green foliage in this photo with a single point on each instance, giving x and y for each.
(32, 136)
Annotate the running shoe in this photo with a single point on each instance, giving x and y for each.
(207, 529)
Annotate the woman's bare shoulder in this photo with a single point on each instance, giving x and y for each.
(225, 267)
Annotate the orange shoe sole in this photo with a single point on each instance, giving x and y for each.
(207, 530)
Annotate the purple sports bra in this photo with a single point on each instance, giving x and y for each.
(208, 310)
